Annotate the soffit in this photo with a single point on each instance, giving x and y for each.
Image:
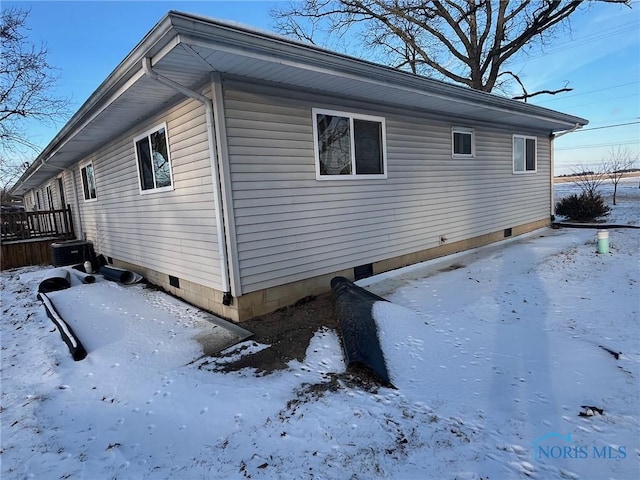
(186, 49)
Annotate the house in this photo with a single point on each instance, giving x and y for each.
(242, 170)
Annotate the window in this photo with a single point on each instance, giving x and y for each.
(524, 154)
(462, 142)
(63, 203)
(88, 182)
(49, 197)
(348, 145)
(154, 164)
(39, 201)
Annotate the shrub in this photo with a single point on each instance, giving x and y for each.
(582, 208)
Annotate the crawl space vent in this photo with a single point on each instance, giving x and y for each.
(363, 271)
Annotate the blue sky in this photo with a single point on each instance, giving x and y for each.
(599, 58)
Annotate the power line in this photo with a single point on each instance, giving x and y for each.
(579, 41)
(606, 126)
(599, 101)
(582, 147)
(555, 99)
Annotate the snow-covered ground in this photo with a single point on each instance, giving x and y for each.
(495, 353)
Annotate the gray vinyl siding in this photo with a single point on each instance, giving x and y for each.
(289, 226)
(173, 232)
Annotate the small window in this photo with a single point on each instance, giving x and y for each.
(463, 142)
(88, 182)
(524, 154)
(39, 201)
(154, 164)
(349, 145)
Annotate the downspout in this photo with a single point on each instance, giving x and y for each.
(215, 175)
(80, 234)
(552, 137)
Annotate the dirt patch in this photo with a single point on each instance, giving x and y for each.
(287, 332)
(451, 268)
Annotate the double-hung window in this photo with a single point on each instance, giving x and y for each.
(463, 142)
(88, 182)
(524, 154)
(349, 145)
(154, 163)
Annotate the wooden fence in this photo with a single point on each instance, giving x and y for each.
(27, 236)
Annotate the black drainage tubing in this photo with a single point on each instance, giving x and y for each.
(117, 274)
(599, 226)
(76, 349)
(56, 279)
(354, 307)
(85, 277)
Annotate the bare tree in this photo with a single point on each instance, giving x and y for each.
(589, 179)
(26, 84)
(12, 168)
(620, 161)
(467, 41)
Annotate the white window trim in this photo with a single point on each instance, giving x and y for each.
(93, 167)
(351, 117)
(471, 131)
(535, 153)
(135, 153)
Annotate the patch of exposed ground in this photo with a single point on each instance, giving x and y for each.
(288, 332)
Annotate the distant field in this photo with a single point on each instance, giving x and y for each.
(573, 178)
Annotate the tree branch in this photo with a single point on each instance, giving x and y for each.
(525, 96)
(467, 41)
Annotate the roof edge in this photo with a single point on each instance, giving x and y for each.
(243, 36)
(120, 75)
(174, 25)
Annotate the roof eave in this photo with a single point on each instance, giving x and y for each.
(290, 51)
(176, 27)
(161, 33)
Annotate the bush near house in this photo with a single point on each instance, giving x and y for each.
(584, 207)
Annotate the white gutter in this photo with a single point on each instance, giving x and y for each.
(215, 175)
(577, 126)
(552, 137)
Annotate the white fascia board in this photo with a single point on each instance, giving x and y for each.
(124, 75)
(177, 28)
(243, 41)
